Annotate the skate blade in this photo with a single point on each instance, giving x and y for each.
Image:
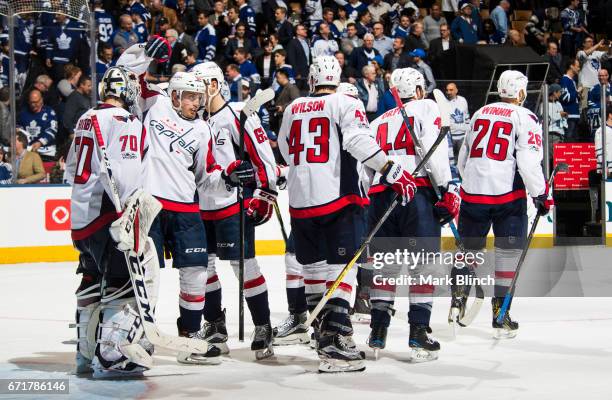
(501, 334)
(295, 338)
(329, 365)
(194, 359)
(361, 318)
(137, 373)
(422, 355)
(376, 354)
(264, 353)
(453, 320)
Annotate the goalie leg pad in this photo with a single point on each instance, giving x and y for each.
(150, 263)
(87, 317)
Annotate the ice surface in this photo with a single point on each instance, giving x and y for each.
(563, 349)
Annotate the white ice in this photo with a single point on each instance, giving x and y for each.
(563, 349)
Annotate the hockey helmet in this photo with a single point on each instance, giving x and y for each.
(121, 83)
(510, 85)
(324, 71)
(348, 89)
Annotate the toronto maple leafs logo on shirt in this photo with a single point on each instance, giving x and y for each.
(457, 116)
(595, 64)
(33, 129)
(63, 41)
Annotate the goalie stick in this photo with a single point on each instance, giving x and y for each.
(137, 276)
(418, 146)
(366, 243)
(510, 293)
(251, 107)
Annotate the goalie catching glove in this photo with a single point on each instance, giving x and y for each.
(131, 230)
(261, 206)
(447, 207)
(400, 180)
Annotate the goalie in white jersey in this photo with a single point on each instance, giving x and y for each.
(414, 227)
(106, 306)
(180, 159)
(500, 162)
(220, 211)
(322, 138)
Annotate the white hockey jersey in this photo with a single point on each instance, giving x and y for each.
(124, 137)
(501, 155)
(225, 125)
(322, 138)
(395, 140)
(179, 157)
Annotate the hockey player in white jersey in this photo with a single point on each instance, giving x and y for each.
(416, 226)
(322, 138)
(500, 162)
(220, 212)
(181, 160)
(106, 306)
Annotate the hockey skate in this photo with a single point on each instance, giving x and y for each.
(337, 355)
(292, 331)
(377, 339)
(508, 328)
(262, 342)
(423, 347)
(211, 357)
(215, 333)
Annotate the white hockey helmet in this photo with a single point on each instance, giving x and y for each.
(121, 83)
(348, 88)
(406, 80)
(185, 82)
(208, 71)
(510, 85)
(324, 71)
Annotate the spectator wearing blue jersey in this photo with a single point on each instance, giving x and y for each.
(352, 7)
(594, 99)
(403, 29)
(24, 33)
(65, 39)
(104, 61)
(569, 98)
(463, 28)
(573, 28)
(104, 22)
(6, 170)
(124, 37)
(206, 38)
(247, 16)
(140, 28)
(40, 122)
(247, 68)
(136, 7)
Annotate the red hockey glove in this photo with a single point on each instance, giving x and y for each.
(238, 172)
(544, 202)
(400, 180)
(158, 48)
(447, 207)
(261, 206)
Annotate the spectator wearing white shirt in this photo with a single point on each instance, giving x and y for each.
(557, 118)
(378, 9)
(432, 22)
(590, 60)
(459, 117)
(598, 144)
(324, 45)
(450, 8)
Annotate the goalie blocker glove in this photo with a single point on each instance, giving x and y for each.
(447, 207)
(261, 206)
(400, 180)
(238, 172)
(131, 230)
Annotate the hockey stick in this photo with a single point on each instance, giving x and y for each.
(444, 115)
(281, 223)
(137, 274)
(250, 108)
(366, 243)
(510, 293)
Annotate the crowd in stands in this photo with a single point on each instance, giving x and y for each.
(270, 43)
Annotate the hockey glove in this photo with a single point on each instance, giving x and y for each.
(544, 202)
(447, 207)
(281, 176)
(131, 230)
(400, 180)
(261, 206)
(237, 172)
(158, 48)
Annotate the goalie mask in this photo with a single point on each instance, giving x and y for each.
(121, 83)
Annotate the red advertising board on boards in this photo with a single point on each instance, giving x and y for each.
(581, 159)
(57, 214)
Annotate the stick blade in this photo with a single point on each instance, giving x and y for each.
(444, 107)
(252, 106)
